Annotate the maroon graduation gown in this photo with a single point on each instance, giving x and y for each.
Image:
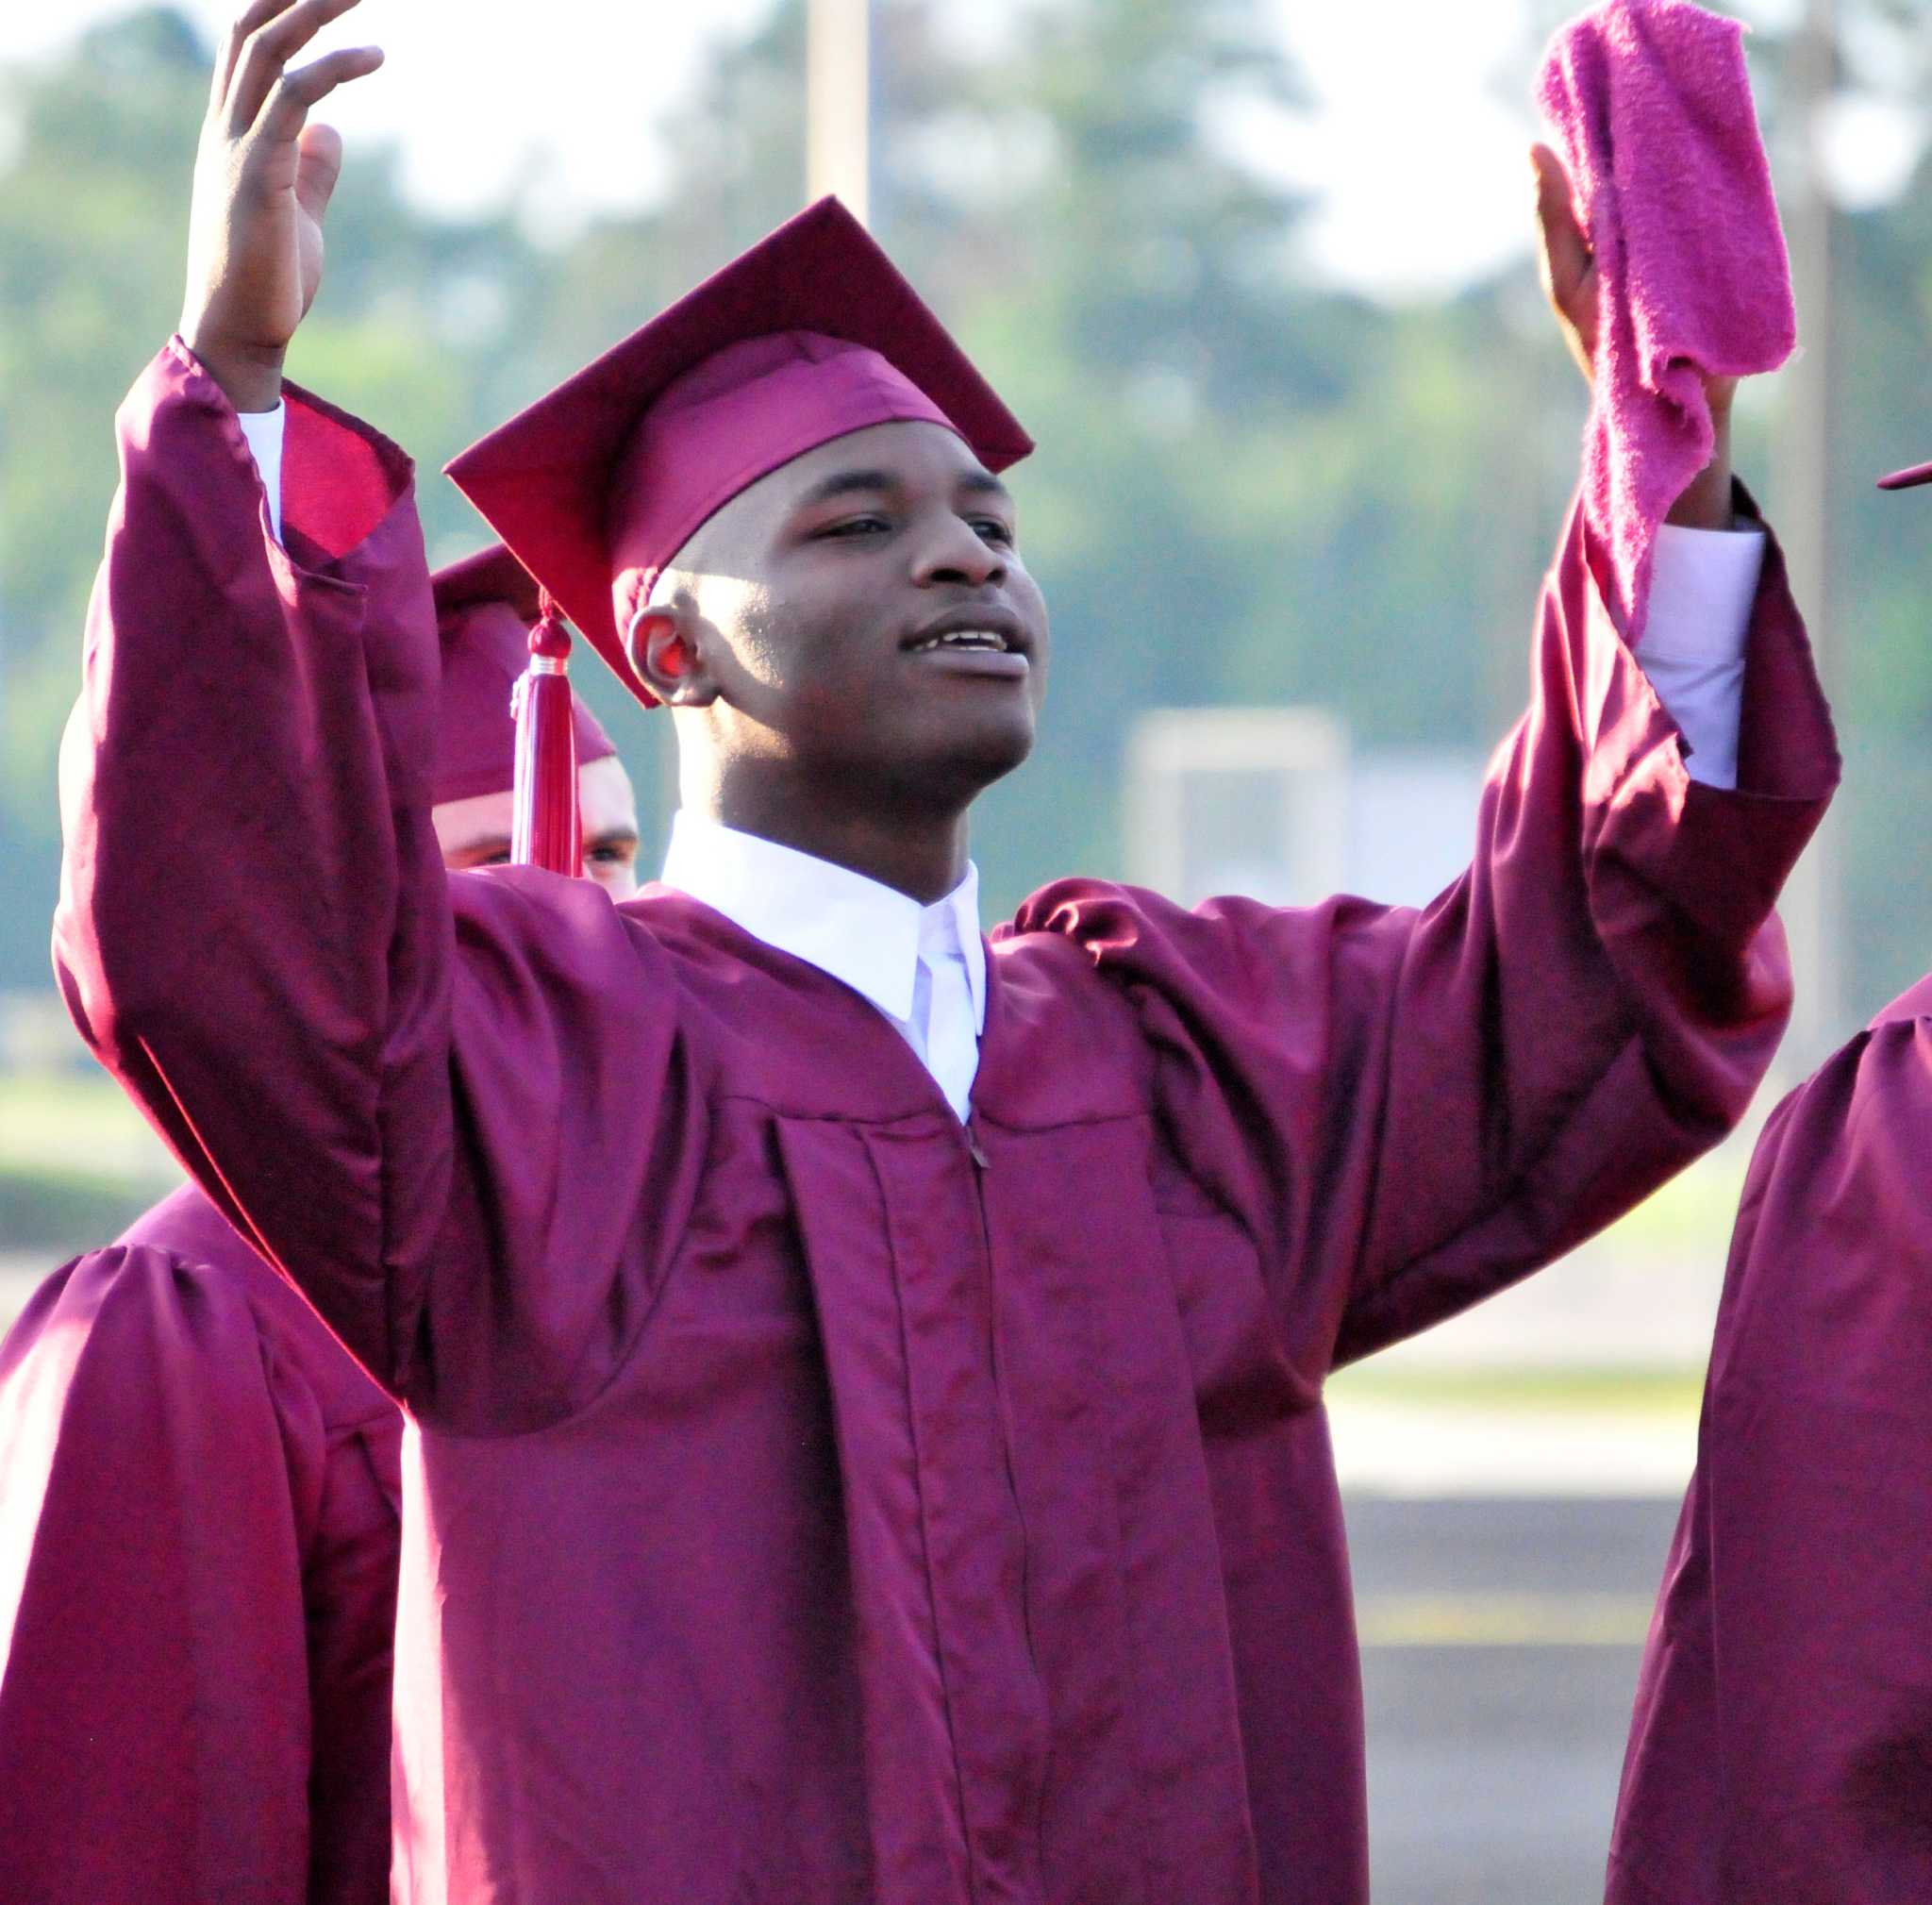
(1782, 1746)
(199, 1502)
(820, 1501)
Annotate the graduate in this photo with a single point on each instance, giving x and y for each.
(200, 1491)
(869, 1374)
(1782, 1742)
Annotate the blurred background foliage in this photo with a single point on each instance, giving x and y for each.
(1251, 487)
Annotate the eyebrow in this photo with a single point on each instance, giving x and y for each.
(984, 483)
(877, 482)
(848, 482)
(616, 836)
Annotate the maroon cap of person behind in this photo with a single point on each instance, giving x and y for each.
(809, 335)
(485, 608)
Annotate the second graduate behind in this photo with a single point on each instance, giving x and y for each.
(869, 1378)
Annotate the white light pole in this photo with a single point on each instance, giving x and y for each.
(838, 91)
(1811, 907)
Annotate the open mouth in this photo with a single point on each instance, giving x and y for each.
(984, 641)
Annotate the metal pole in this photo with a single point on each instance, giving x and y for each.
(1812, 906)
(838, 82)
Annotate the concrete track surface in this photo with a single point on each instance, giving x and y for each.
(1501, 1639)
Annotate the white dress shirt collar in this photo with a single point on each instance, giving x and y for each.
(864, 934)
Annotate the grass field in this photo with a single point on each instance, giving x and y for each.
(76, 1162)
(76, 1121)
(1619, 1391)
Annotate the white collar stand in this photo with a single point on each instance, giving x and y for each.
(865, 935)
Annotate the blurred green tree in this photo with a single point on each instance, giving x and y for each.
(1249, 487)
(414, 321)
(91, 238)
(1245, 488)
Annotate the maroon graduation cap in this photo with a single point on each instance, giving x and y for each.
(486, 607)
(809, 335)
(492, 575)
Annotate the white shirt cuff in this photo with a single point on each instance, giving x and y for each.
(1703, 588)
(263, 430)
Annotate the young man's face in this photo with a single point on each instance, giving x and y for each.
(864, 616)
(476, 832)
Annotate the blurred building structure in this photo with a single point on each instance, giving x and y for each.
(1279, 804)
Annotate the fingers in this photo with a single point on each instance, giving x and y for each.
(1565, 254)
(267, 52)
(295, 92)
(257, 14)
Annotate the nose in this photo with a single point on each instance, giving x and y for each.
(954, 551)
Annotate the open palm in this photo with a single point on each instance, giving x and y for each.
(263, 180)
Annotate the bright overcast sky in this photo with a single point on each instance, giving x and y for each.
(1417, 151)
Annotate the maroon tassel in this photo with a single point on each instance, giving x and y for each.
(544, 827)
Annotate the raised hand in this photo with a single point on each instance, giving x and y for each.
(263, 180)
(1570, 274)
(1563, 255)
(1573, 285)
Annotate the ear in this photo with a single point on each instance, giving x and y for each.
(670, 647)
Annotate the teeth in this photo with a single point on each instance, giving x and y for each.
(963, 638)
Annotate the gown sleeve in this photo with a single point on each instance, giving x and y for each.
(1779, 1748)
(1407, 1111)
(361, 1059)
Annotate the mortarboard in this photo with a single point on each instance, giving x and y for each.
(809, 335)
(492, 575)
(486, 607)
